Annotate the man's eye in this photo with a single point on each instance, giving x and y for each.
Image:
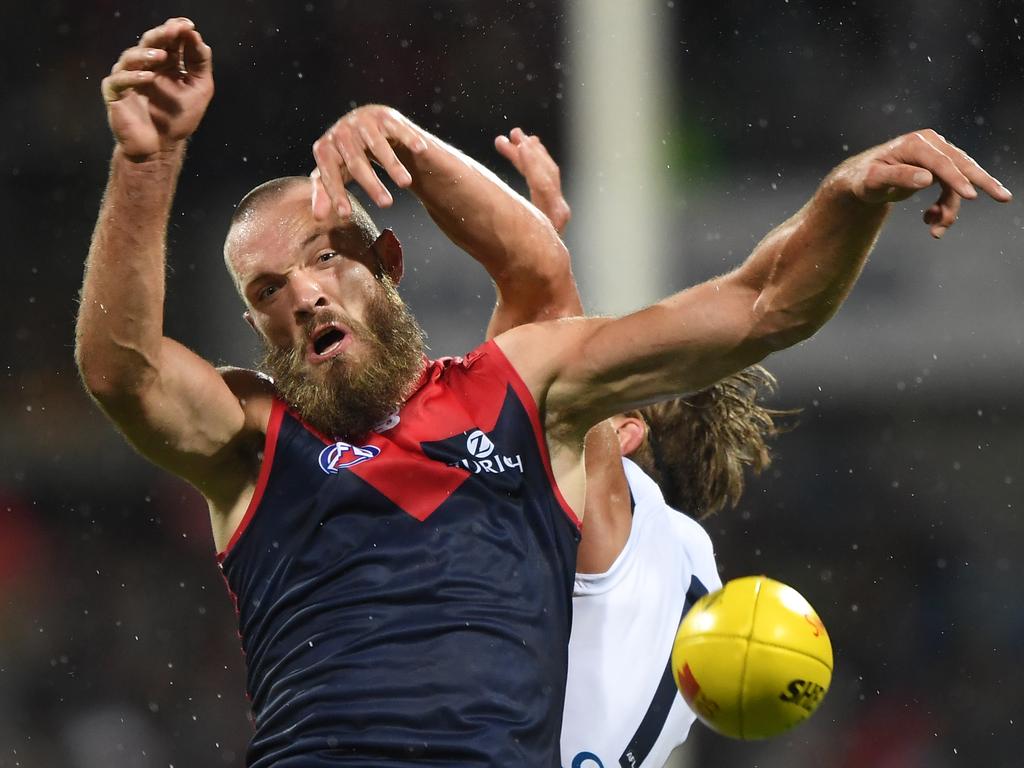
(266, 292)
(326, 256)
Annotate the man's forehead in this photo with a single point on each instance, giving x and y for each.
(284, 215)
(281, 228)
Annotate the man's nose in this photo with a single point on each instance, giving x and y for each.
(308, 295)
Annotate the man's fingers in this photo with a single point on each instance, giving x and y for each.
(140, 57)
(978, 176)
(352, 150)
(942, 214)
(919, 150)
(405, 133)
(196, 54)
(542, 169)
(382, 152)
(115, 85)
(329, 164)
(885, 182)
(504, 146)
(182, 44)
(510, 152)
(166, 34)
(321, 200)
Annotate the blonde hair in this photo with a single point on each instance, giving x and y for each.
(698, 447)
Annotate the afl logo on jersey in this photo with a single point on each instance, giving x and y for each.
(479, 445)
(339, 456)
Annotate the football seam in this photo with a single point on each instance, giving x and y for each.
(746, 659)
(750, 639)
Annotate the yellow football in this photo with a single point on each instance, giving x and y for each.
(752, 659)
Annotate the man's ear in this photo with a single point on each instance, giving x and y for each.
(389, 255)
(248, 318)
(631, 430)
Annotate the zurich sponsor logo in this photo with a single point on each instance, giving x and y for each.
(339, 456)
(479, 445)
(485, 458)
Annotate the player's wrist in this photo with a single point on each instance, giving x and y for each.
(153, 176)
(169, 153)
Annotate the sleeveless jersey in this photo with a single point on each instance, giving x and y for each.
(407, 600)
(622, 707)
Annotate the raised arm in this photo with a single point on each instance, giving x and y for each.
(171, 404)
(511, 239)
(543, 178)
(791, 284)
(531, 159)
(607, 508)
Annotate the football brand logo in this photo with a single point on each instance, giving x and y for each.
(339, 456)
(479, 445)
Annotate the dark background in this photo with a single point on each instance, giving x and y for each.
(893, 506)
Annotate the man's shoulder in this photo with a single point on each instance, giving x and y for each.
(528, 338)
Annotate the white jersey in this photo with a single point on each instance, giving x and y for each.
(622, 707)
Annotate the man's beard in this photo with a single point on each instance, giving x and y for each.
(346, 398)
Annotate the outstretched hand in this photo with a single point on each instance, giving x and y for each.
(543, 178)
(896, 170)
(346, 151)
(158, 91)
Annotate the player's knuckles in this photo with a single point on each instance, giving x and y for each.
(108, 89)
(126, 56)
(378, 115)
(136, 58)
(925, 133)
(150, 33)
(178, 25)
(876, 176)
(371, 139)
(917, 143)
(164, 32)
(345, 150)
(113, 86)
(350, 121)
(342, 137)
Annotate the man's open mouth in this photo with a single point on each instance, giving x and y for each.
(328, 340)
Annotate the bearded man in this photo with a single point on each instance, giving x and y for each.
(403, 565)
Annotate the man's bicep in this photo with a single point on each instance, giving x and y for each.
(682, 344)
(187, 420)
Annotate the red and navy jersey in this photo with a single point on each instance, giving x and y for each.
(407, 600)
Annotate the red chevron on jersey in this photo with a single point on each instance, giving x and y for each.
(434, 413)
